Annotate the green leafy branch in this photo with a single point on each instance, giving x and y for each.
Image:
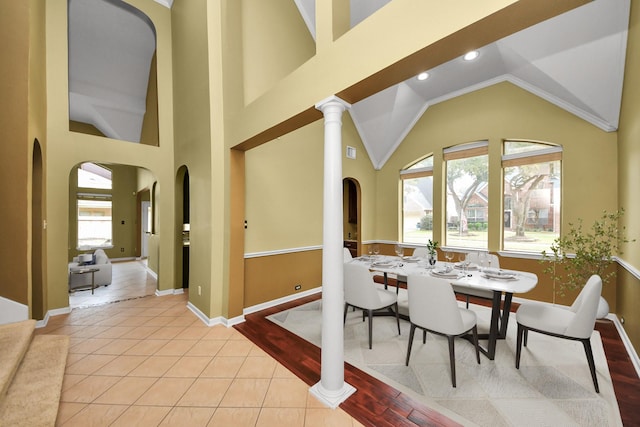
(581, 253)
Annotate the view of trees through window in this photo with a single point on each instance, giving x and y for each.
(467, 195)
(94, 208)
(417, 202)
(531, 174)
(531, 199)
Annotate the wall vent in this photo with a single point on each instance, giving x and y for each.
(351, 152)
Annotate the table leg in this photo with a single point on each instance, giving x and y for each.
(93, 281)
(504, 318)
(494, 328)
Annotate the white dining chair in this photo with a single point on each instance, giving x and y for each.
(573, 323)
(346, 253)
(433, 308)
(360, 291)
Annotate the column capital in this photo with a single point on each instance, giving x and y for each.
(332, 101)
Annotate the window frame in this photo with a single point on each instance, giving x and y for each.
(552, 152)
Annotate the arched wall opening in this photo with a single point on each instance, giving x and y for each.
(38, 289)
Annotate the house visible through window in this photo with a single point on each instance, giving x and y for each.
(94, 209)
(417, 202)
(531, 172)
(467, 199)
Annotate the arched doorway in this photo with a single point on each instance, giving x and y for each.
(183, 213)
(38, 308)
(351, 215)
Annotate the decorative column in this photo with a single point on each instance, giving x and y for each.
(332, 390)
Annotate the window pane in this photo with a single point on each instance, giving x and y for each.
(467, 202)
(417, 210)
(512, 147)
(532, 214)
(424, 163)
(91, 175)
(94, 223)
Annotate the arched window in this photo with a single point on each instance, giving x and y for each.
(532, 177)
(417, 201)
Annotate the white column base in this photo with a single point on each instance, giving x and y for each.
(332, 398)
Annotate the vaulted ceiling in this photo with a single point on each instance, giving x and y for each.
(575, 61)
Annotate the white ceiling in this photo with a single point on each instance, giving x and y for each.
(111, 46)
(575, 61)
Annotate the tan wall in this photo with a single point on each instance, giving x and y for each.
(69, 148)
(284, 187)
(589, 156)
(629, 178)
(272, 29)
(292, 218)
(192, 115)
(14, 150)
(271, 277)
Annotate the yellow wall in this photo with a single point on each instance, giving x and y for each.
(271, 29)
(66, 149)
(629, 177)
(14, 150)
(292, 218)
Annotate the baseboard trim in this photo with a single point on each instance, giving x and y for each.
(166, 292)
(279, 301)
(631, 351)
(55, 312)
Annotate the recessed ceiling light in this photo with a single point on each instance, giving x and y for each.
(423, 76)
(470, 56)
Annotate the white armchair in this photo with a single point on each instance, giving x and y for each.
(572, 323)
(433, 308)
(360, 291)
(102, 277)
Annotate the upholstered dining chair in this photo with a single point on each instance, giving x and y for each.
(360, 291)
(346, 254)
(572, 323)
(433, 308)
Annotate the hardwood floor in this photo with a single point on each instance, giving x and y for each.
(378, 404)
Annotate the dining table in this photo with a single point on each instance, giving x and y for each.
(494, 284)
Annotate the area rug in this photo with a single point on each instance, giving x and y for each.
(553, 386)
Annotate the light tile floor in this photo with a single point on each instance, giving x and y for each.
(149, 361)
(128, 280)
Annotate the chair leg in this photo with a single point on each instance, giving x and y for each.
(592, 367)
(520, 332)
(346, 308)
(452, 359)
(475, 343)
(398, 318)
(411, 333)
(467, 301)
(370, 327)
(424, 336)
(526, 336)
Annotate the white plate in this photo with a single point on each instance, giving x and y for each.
(382, 264)
(444, 273)
(499, 275)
